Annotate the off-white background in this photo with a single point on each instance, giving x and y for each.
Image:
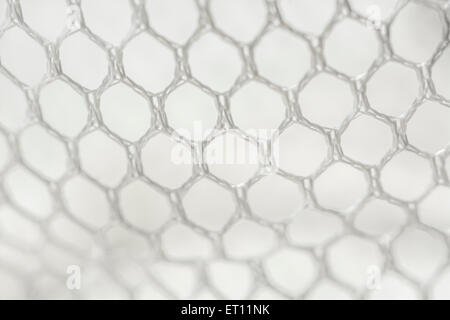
(349, 194)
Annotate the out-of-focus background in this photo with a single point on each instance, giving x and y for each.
(224, 149)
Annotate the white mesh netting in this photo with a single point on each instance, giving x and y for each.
(349, 198)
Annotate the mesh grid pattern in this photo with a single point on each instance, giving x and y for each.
(121, 260)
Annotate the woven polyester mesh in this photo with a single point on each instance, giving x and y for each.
(96, 196)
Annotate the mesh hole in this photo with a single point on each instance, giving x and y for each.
(351, 257)
(306, 15)
(86, 202)
(145, 53)
(5, 152)
(378, 218)
(328, 110)
(406, 176)
(143, 207)
(257, 108)
(211, 212)
(291, 270)
(182, 243)
(83, 60)
(54, 12)
(247, 239)
(367, 140)
(275, 198)
(351, 47)
(240, 19)
(428, 128)
(29, 192)
(232, 279)
(416, 32)
(174, 19)
(300, 150)
(419, 254)
(63, 108)
(13, 113)
(191, 112)
(313, 228)
(103, 158)
(23, 56)
(392, 89)
(282, 58)
(232, 158)
(166, 162)
(340, 186)
(111, 21)
(43, 152)
(214, 62)
(121, 106)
